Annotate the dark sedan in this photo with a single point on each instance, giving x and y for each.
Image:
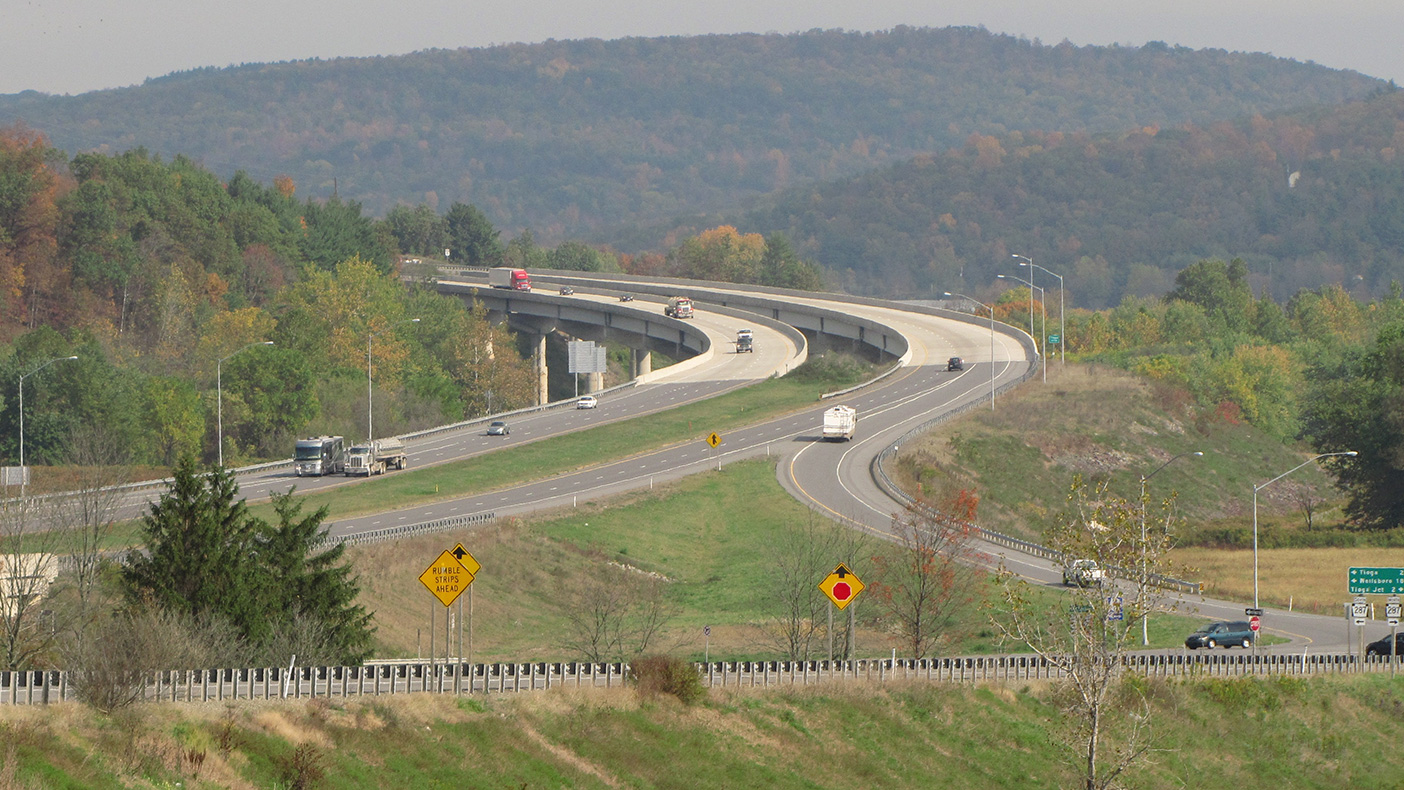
(1380, 647)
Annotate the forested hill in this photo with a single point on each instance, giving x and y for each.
(1306, 199)
(567, 137)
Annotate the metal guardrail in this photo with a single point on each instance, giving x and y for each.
(879, 473)
(406, 530)
(45, 687)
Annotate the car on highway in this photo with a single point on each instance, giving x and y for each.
(566, 290)
(626, 297)
(1226, 634)
(498, 428)
(1380, 647)
(1084, 573)
(587, 402)
(955, 363)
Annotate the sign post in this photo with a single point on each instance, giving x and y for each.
(1359, 611)
(841, 587)
(1392, 615)
(713, 440)
(447, 577)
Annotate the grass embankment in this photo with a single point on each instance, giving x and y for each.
(1107, 424)
(1285, 732)
(713, 535)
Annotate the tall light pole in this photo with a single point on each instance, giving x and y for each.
(1062, 322)
(24, 475)
(219, 396)
(1033, 288)
(1145, 575)
(1258, 488)
(370, 390)
(992, 340)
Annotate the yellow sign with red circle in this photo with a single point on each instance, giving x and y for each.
(842, 586)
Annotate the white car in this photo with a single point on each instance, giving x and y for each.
(587, 402)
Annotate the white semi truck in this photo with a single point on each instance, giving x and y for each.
(374, 458)
(839, 423)
(320, 455)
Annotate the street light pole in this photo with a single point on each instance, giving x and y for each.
(1145, 572)
(1258, 488)
(219, 396)
(992, 341)
(24, 476)
(370, 389)
(1062, 321)
(1032, 288)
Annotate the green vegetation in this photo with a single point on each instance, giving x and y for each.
(1275, 732)
(575, 136)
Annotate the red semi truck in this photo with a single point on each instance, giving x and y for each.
(507, 277)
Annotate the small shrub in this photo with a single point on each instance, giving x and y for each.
(303, 770)
(656, 675)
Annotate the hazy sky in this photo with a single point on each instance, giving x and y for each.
(72, 46)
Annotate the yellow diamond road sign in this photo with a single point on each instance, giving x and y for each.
(466, 560)
(842, 586)
(713, 439)
(446, 578)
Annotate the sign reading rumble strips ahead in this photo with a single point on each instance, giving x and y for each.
(446, 578)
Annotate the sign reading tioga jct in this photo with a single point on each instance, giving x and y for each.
(1379, 581)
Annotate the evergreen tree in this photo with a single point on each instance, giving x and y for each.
(311, 584)
(198, 556)
(472, 238)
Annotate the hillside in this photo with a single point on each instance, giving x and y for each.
(569, 136)
(1306, 198)
(1279, 732)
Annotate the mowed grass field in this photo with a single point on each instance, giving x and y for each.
(713, 536)
(1106, 424)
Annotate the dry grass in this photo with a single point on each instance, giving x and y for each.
(1311, 580)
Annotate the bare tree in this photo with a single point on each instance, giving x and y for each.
(85, 515)
(799, 558)
(928, 581)
(1306, 498)
(1088, 637)
(616, 613)
(28, 565)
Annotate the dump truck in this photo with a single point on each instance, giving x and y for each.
(508, 277)
(374, 458)
(319, 455)
(678, 307)
(839, 423)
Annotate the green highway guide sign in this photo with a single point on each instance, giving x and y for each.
(1380, 581)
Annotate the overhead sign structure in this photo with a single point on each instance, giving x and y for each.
(1379, 581)
(842, 586)
(713, 440)
(446, 578)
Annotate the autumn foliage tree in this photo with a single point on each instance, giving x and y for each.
(928, 581)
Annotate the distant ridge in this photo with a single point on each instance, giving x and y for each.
(570, 137)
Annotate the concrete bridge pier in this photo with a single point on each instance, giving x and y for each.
(640, 362)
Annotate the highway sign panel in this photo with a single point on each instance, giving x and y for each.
(1115, 612)
(466, 560)
(1359, 610)
(713, 440)
(1253, 612)
(1255, 622)
(1054, 339)
(1392, 610)
(1380, 581)
(446, 578)
(842, 586)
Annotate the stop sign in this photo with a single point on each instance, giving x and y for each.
(842, 591)
(1254, 622)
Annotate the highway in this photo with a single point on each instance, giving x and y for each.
(833, 478)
